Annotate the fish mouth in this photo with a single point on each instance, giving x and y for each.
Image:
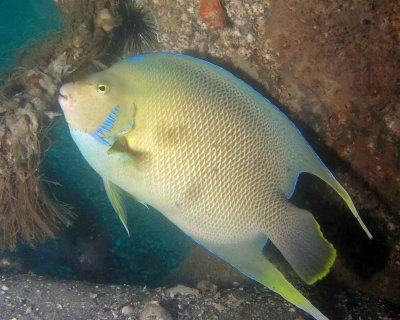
(62, 98)
(66, 102)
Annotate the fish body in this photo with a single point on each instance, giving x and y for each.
(214, 156)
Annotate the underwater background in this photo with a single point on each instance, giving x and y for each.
(334, 69)
(22, 22)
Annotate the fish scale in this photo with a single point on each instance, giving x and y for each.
(216, 127)
(212, 155)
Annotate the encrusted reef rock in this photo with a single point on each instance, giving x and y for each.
(25, 211)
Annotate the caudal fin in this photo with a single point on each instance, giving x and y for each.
(302, 243)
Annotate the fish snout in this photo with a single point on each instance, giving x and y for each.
(65, 98)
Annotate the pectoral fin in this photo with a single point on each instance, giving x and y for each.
(120, 145)
(128, 155)
(114, 193)
(247, 257)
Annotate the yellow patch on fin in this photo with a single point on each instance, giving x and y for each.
(114, 193)
(120, 145)
(345, 196)
(331, 260)
(303, 245)
(129, 156)
(309, 162)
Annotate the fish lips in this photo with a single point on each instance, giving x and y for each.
(63, 98)
(68, 105)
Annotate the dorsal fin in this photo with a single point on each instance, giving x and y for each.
(308, 161)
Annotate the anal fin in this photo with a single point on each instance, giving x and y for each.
(247, 257)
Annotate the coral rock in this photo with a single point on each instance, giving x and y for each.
(205, 287)
(106, 21)
(213, 14)
(153, 311)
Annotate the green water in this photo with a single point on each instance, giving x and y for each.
(22, 21)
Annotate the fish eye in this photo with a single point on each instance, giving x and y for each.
(102, 88)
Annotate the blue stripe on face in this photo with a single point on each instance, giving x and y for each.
(106, 127)
(102, 140)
